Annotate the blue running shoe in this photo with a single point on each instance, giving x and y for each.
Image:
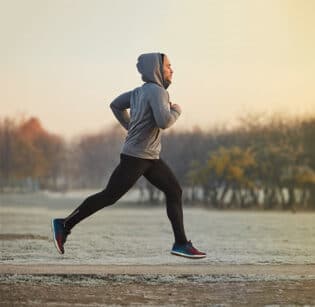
(187, 250)
(60, 234)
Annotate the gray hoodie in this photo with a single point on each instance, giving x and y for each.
(149, 110)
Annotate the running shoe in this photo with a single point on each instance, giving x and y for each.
(187, 250)
(60, 234)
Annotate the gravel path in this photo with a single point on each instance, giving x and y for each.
(167, 285)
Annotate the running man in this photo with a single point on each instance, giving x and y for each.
(150, 112)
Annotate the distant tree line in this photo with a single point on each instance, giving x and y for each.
(31, 158)
(264, 163)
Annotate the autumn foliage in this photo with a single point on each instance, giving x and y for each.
(262, 164)
(29, 152)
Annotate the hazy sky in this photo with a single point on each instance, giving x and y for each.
(64, 61)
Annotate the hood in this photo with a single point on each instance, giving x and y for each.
(150, 67)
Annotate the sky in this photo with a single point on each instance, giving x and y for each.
(64, 61)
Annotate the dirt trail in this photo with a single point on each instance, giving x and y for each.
(190, 269)
(159, 285)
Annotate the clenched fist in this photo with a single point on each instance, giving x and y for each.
(176, 107)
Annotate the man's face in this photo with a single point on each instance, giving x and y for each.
(167, 70)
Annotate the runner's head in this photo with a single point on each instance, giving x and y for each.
(156, 68)
(167, 69)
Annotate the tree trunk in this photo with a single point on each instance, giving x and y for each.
(221, 200)
(311, 201)
(291, 200)
(233, 199)
(254, 196)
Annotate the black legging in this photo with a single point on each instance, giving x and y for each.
(129, 170)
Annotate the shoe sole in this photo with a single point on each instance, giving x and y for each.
(188, 256)
(54, 237)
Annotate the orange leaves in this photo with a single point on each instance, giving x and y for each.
(27, 149)
(231, 164)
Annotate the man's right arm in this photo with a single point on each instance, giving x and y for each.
(164, 114)
(119, 107)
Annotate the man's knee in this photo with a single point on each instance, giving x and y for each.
(105, 198)
(175, 194)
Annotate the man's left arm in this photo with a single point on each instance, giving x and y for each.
(119, 107)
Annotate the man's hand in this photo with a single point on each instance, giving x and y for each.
(176, 107)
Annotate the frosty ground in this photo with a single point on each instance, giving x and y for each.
(120, 256)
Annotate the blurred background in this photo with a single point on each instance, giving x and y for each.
(243, 75)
